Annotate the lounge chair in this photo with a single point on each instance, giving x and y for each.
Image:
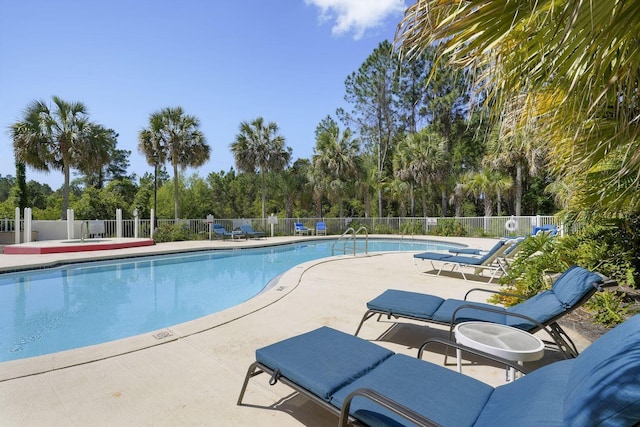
(540, 312)
(222, 233)
(250, 232)
(459, 259)
(513, 244)
(321, 228)
(510, 254)
(371, 385)
(299, 229)
(550, 229)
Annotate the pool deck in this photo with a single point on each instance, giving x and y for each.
(191, 374)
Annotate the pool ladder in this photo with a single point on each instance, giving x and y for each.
(350, 236)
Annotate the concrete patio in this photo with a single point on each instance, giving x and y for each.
(191, 374)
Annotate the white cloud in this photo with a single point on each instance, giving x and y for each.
(356, 16)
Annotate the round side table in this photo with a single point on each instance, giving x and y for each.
(499, 340)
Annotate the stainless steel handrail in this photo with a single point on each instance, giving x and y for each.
(351, 235)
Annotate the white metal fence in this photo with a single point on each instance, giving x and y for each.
(476, 226)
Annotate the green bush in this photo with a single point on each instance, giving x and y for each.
(412, 228)
(449, 227)
(479, 232)
(355, 224)
(382, 229)
(604, 245)
(173, 233)
(608, 308)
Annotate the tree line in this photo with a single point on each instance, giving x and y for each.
(413, 143)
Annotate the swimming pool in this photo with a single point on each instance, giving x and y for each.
(76, 305)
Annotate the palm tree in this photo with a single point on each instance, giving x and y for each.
(103, 152)
(150, 144)
(520, 150)
(174, 136)
(420, 159)
(315, 180)
(574, 68)
(259, 147)
(457, 197)
(337, 160)
(401, 162)
(397, 190)
(58, 137)
(487, 185)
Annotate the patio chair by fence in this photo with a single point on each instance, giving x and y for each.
(222, 233)
(321, 228)
(299, 229)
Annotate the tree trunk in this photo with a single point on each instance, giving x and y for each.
(379, 194)
(175, 190)
(65, 190)
(367, 203)
(424, 203)
(444, 201)
(413, 200)
(518, 188)
(317, 201)
(263, 197)
(20, 187)
(488, 207)
(289, 206)
(155, 193)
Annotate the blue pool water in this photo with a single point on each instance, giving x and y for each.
(76, 305)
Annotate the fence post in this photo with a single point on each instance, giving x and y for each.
(27, 225)
(136, 223)
(119, 223)
(70, 220)
(17, 227)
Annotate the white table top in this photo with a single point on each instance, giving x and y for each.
(500, 340)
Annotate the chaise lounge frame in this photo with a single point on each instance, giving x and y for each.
(257, 368)
(560, 338)
(599, 387)
(464, 259)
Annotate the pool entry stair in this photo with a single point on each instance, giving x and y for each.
(347, 242)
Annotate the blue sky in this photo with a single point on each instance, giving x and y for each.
(223, 61)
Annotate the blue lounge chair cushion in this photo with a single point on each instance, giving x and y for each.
(300, 226)
(514, 244)
(534, 400)
(474, 251)
(470, 260)
(444, 395)
(435, 256)
(604, 385)
(249, 231)
(466, 251)
(551, 229)
(574, 284)
(497, 246)
(445, 312)
(408, 303)
(467, 260)
(323, 360)
(541, 307)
